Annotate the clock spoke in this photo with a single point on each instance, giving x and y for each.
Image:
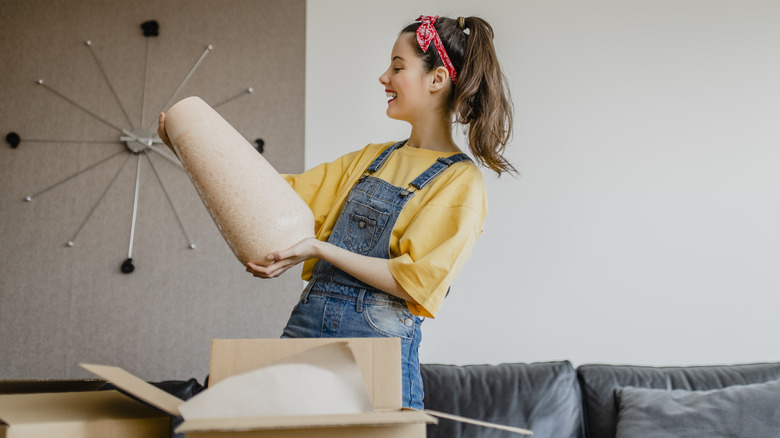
(69, 100)
(173, 161)
(189, 75)
(44, 140)
(108, 81)
(249, 90)
(143, 93)
(150, 29)
(100, 199)
(62, 181)
(135, 207)
(170, 202)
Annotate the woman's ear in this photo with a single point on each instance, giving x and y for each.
(439, 78)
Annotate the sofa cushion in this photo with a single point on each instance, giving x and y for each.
(599, 382)
(739, 410)
(543, 397)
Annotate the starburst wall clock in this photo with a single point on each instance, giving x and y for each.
(135, 140)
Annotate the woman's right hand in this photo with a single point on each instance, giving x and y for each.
(281, 261)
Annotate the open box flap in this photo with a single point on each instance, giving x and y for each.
(460, 419)
(137, 387)
(378, 418)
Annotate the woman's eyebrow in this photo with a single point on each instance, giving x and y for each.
(397, 57)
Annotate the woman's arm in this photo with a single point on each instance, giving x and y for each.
(370, 270)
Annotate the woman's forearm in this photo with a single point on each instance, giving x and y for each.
(370, 270)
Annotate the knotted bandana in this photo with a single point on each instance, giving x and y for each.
(427, 33)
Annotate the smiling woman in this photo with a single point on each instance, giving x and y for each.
(396, 221)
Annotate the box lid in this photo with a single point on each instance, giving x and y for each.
(379, 360)
(378, 418)
(137, 387)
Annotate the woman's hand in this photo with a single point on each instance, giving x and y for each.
(374, 271)
(161, 131)
(283, 260)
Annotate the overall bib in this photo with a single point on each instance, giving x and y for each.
(337, 305)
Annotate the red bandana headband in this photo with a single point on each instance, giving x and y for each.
(427, 33)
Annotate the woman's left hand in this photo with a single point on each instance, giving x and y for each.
(283, 260)
(161, 132)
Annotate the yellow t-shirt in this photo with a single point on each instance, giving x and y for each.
(435, 230)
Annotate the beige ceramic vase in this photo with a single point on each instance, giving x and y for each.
(254, 208)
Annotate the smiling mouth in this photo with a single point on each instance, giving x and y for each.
(391, 94)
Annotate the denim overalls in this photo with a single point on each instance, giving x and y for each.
(337, 305)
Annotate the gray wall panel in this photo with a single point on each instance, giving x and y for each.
(60, 306)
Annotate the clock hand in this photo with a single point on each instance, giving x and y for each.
(164, 155)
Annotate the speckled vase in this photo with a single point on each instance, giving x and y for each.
(254, 208)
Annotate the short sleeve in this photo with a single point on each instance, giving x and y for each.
(438, 242)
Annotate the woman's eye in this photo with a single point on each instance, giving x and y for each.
(397, 69)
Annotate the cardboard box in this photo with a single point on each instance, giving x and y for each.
(83, 414)
(30, 413)
(377, 358)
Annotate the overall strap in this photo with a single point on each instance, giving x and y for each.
(380, 160)
(442, 164)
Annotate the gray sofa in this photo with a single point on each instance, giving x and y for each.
(556, 400)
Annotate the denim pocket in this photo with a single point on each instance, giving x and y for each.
(306, 319)
(393, 320)
(364, 227)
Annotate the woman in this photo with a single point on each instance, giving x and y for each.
(395, 222)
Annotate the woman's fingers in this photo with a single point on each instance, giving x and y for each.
(161, 130)
(271, 271)
(257, 270)
(284, 259)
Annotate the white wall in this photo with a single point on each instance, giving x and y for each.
(644, 227)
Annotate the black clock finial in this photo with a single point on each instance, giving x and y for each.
(13, 139)
(151, 28)
(127, 266)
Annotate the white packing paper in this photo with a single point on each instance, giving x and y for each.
(324, 380)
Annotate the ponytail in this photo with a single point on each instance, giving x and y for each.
(480, 98)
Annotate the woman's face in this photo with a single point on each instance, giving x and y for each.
(405, 81)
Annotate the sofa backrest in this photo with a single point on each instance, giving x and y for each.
(543, 397)
(599, 382)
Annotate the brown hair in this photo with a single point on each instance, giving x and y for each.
(480, 98)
